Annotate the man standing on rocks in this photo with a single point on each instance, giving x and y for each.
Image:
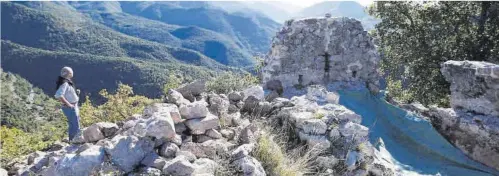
(66, 93)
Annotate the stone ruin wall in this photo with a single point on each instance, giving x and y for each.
(321, 50)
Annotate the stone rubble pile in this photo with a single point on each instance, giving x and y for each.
(322, 124)
(184, 136)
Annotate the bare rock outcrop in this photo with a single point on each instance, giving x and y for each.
(472, 124)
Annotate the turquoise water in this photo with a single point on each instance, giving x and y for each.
(414, 144)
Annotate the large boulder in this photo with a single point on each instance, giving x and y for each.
(127, 152)
(254, 91)
(200, 125)
(96, 132)
(160, 126)
(84, 163)
(218, 104)
(474, 85)
(162, 109)
(194, 110)
(191, 90)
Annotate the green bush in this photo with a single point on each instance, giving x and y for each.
(229, 81)
(118, 107)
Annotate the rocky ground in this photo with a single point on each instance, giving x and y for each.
(213, 134)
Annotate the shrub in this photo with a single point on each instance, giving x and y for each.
(229, 81)
(16, 142)
(118, 107)
(173, 82)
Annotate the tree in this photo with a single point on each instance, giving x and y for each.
(415, 38)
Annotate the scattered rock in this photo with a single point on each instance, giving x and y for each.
(153, 160)
(242, 151)
(179, 166)
(254, 91)
(162, 109)
(82, 164)
(209, 149)
(187, 155)
(235, 96)
(194, 110)
(128, 151)
(250, 166)
(191, 90)
(205, 166)
(176, 98)
(200, 125)
(213, 134)
(228, 134)
(168, 150)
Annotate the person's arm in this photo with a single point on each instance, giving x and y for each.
(60, 95)
(66, 102)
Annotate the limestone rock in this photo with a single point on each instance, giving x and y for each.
(168, 150)
(179, 166)
(186, 154)
(474, 85)
(254, 91)
(227, 133)
(476, 135)
(108, 129)
(213, 134)
(205, 166)
(218, 104)
(147, 171)
(209, 149)
(200, 125)
(191, 90)
(235, 96)
(3, 172)
(160, 126)
(82, 164)
(153, 160)
(242, 151)
(194, 110)
(162, 109)
(176, 98)
(354, 131)
(250, 166)
(128, 151)
(92, 133)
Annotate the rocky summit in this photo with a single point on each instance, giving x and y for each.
(304, 100)
(321, 50)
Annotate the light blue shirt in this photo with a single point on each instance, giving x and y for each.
(68, 92)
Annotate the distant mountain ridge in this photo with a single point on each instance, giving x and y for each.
(350, 9)
(112, 42)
